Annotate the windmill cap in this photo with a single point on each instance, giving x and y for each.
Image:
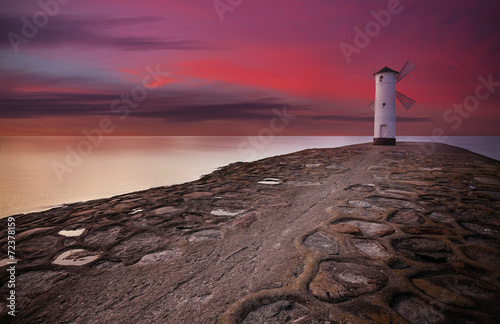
(385, 69)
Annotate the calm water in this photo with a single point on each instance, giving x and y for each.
(37, 173)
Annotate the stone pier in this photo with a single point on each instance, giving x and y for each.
(358, 234)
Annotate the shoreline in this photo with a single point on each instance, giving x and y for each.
(48, 208)
(354, 233)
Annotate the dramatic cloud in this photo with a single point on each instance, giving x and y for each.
(343, 118)
(186, 107)
(55, 105)
(226, 77)
(96, 32)
(231, 111)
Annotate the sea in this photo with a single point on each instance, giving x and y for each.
(42, 172)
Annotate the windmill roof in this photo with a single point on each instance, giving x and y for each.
(385, 69)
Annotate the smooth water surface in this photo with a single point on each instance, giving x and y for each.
(37, 173)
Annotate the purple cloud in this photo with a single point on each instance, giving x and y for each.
(97, 32)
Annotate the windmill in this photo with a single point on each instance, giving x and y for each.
(385, 103)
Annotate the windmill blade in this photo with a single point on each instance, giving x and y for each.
(407, 68)
(407, 102)
(372, 105)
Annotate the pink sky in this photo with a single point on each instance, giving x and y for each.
(226, 77)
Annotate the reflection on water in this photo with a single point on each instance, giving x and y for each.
(37, 173)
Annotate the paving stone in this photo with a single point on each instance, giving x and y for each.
(415, 310)
(157, 257)
(103, 237)
(394, 203)
(336, 167)
(108, 265)
(399, 265)
(337, 282)
(76, 257)
(487, 180)
(269, 181)
(442, 294)
(137, 244)
(372, 229)
(462, 291)
(276, 313)
(245, 220)
(304, 183)
(164, 210)
(222, 212)
(441, 217)
(424, 250)
(363, 204)
(136, 211)
(124, 207)
(345, 228)
(322, 242)
(418, 183)
(362, 187)
(377, 168)
(398, 193)
(40, 245)
(429, 169)
(71, 233)
(371, 248)
(488, 257)
(428, 231)
(377, 315)
(198, 194)
(406, 216)
(484, 229)
(495, 194)
(205, 235)
(484, 241)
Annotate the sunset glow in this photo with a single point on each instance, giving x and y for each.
(187, 68)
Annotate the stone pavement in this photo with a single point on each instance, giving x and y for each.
(359, 234)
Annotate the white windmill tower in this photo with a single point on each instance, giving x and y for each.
(385, 103)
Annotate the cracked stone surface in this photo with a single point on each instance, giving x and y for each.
(76, 257)
(337, 282)
(415, 310)
(371, 248)
(322, 242)
(358, 234)
(371, 229)
(278, 312)
(156, 257)
(204, 235)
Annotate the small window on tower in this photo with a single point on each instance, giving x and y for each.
(381, 78)
(383, 105)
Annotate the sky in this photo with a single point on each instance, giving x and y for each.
(246, 67)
